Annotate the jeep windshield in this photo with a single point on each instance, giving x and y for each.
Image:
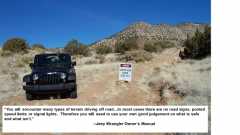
(55, 60)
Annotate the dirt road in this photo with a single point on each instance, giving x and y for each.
(98, 85)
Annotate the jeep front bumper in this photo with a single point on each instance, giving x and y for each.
(51, 88)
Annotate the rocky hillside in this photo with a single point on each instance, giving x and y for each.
(149, 32)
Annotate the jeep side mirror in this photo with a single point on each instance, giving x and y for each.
(31, 65)
(74, 63)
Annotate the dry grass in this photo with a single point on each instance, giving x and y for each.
(136, 56)
(5, 53)
(97, 59)
(39, 50)
(24, 61)
(190, 80)
(12, 71)
(100, 58)
(14, 76)
(89, 62)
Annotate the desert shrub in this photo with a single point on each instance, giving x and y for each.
(197, 47)
(15, 45)
(165, 44)
(101, 58)
(38, 46)
(150, 47)
(27, 60)
(127, 45)
(74, 47)
(19, 64)
(111, 57)
(157, 69)
(137, 56)
(157, 46)
(191, 83)
(103, 49)
(6, 53)
(23, 61)
(91, 61)
(120, 48)
(83, 50)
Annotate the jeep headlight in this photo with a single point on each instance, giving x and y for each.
(35, 77)
(71, 71)
(24, 83)
(63, 75)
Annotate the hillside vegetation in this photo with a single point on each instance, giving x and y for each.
(197, 47)
(149, 32)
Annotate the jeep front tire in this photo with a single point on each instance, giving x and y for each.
(29, 96)
(73, 94)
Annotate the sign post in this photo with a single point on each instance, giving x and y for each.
(125, 72)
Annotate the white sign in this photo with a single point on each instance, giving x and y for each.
(125, 71)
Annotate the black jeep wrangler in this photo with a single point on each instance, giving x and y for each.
(51, 74)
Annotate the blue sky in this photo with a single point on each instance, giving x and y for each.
(55, 22)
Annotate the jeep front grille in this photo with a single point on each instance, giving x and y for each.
(49, 79)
